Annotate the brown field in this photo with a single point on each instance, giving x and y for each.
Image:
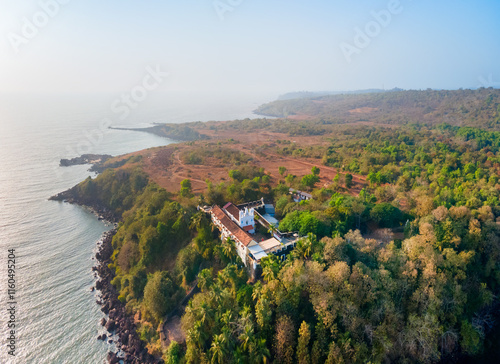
(165, 167)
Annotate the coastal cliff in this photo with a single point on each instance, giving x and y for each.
(131, 349)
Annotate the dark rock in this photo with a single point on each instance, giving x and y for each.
(110, 325)
(112, 358)
(98, 284)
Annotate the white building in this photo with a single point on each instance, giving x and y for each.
(238, 222)
(244, 215)
(299, 196)
(229, 229)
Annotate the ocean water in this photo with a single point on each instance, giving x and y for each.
(56, 318)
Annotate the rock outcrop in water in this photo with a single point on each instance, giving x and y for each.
(179, 132)
(85, 159)
(131, 348)
(72, 197)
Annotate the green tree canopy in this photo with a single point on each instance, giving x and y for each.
(160, 294)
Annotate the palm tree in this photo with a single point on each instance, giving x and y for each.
(197, 219)
(239, 357)
(268, 273)
(257, 288)
(205, 279)
(204, 312)
(229, 249)
(245, 316)
(246, 336)
(217, 350)
(198, 334)
(216, 293)
(270, 267)
(227, 318)
(259, 353)
(304, 247)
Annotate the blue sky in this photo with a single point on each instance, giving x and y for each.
(255, 46)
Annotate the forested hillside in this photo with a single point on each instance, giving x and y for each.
(479, 108)
(399, 259)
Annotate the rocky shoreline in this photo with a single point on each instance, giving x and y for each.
(130, 348)
(71, 197)
(176, 132)
(85, 159)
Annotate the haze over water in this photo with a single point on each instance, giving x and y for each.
(57, 316)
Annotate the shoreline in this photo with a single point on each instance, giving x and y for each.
(100, 212)
(119, 325)
(117, 321)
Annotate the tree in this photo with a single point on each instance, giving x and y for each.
(160, 294)
(259, 353)
(235, 175)
(174, 352)
(229, 249)
(372, 178)
(304, 247)
(264, 314)
(303, 344)
(334, 354)
(270, 267)
(186, 189)
(302, 221)
(348, 180)
(128, 256)
(217, 349)
(386, 215)
(282, 170)
(138, 282)
(284, 340)
(358, 208)
(290, 178)
(246, 336)
(471, 339)
(309, 180)
(315, 171)
(205, 279)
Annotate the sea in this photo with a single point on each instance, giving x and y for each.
(50, 307)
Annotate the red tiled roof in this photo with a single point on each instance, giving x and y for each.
(234, 229)
(233, 210)
(248, 228)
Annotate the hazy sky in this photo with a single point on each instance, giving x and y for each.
(248, 46)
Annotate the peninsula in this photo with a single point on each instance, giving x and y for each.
(351, 228)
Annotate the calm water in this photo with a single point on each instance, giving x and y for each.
(57, 319)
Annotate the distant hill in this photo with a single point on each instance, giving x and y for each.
(310, 94)
(478, 108)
